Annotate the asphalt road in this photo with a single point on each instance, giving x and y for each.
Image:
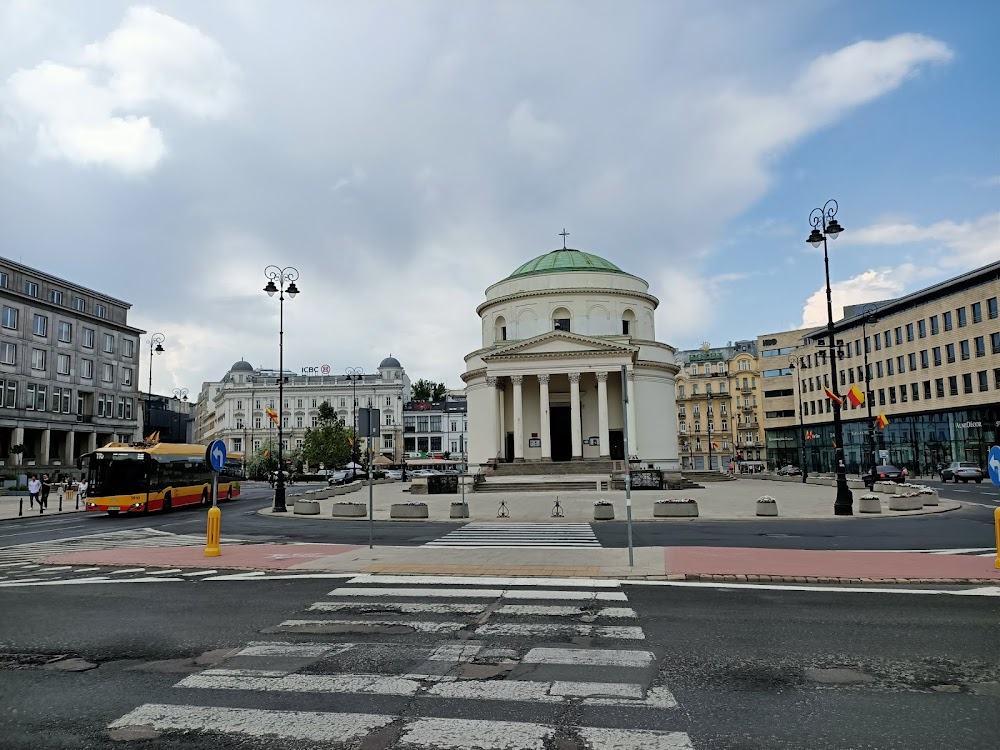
(748, 668)
(970, 527)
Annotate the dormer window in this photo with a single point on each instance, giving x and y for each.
(500, 329)
(628, 323)
(625, 328)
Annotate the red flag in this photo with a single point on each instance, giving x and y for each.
(833, 397)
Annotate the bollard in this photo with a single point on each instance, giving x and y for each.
(502, 511)
(60, 502)
(20, 507)
(76, 497)
(214, 531)
(41, 508)
(996, 524)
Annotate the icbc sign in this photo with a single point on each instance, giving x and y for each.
(321, 370)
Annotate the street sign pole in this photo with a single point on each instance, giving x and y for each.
(993, 466)
(628, 475)
(215, 458)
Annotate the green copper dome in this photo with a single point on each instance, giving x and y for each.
(565, 259)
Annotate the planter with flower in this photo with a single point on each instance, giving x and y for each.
(684, 507)
(767, 506)
(348, 509)
(604, 511)
(869, 503)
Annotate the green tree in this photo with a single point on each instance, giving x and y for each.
(428, 390)
(263, 461)
(326, 414)
(329, 443)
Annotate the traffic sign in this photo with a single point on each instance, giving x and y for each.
(215, 455)
(993, 464)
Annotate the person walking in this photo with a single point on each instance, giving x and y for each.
(46, 489)
(34, 491)
(84, 486)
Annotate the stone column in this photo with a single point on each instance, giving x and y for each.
(602, 414)
(491, 383)
(633, 447)
(503, 418)
(18, 440)
(518, 418)
(575, 422)
(543, 412)
(92, 442)
(69, 449)
(43, 453)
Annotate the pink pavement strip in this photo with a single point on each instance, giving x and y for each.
(243, 556)
(825, 563)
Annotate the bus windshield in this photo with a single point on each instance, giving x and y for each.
(112, 473)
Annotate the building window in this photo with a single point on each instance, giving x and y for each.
(63, 364)
(947, 321)
(927, 389)
(922, 328)
(56, 296)
(878, 369)
(298, 421)
(964, 348)
(4, 282)
(899, 335)
(238, 445)
(881, 396)
(127, 348)
(977, 312)
(625, 328)
(256, 423)
(892, 394)
(128, 408)
(31, 288)
(888, 367)
(108, 373)
(109, 343)
(996, 378)
(40, 398)
(315, 421)
(298, 403)
(937, 356)
(950, 352)
(65, 332)
(967, 382)
(912, 358)
(915, 391)
(984, 384)
(126, 376)
(995, 342)
(953, 385)
(87, 368)
(87, 337)
(9, 318)
(40, 325)
(980, 342)
(343, 402)
(101, 311)
(10, 402)
(38, 359)
(939, 387)
(888, 339)
(8, 356)
(991, 308)
(909, 331)
(878, 342)
(57, 400)
(30, 402)
(314, 403)
(934, 325)
(80, 304)
(961, 317)
(388, 400)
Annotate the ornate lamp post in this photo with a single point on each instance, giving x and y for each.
(155, 347)
(354, 374)
(825, 224)
(802, 427)
(708, 421)
(867, 320)
(281, 275)
(181, 394)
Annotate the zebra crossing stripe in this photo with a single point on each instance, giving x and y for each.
(419, 626)
(443, 593)
(489, 581)
(417, 733)
(489, 535)
(242, 679)
(403, 608)
(590, 657)
(555, 610)
(540, 630)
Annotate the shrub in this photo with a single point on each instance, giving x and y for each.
(348, 502)
(378, 474)
(603, 502)
(869, 497)
(678, 500)
(766, 499)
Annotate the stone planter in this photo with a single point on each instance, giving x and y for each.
(899, 502)
(459, 510)
(767, 508)
(889, 488)
(405, 510)
(348, 510)
(869, 504)
(306, 508)
(604, 512)
(675, 510)
(929, 498)
(418, 486)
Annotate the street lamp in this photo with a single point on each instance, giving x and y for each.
(825, 224)
(281, 275)
(867, 320)
(708, 419)
(253, 405)
(155, 347)
(802, 426)
(181, 394)
(354, 374)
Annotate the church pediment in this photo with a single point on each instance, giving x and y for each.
(559, 343)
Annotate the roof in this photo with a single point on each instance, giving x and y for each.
(241, 366)
(564, 260)
(389, 361)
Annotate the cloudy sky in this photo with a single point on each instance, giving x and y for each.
(404, 155)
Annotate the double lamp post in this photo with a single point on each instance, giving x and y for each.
(285, 278)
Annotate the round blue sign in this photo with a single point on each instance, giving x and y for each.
(215, 455)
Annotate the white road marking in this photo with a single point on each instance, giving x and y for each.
(82, 581)
(634, 739)
(597, 690)
(982, 591)
(85, 570)
(465, 734)
(314, 726)
(597, 583)
(960, 551)
(446, 593)
(418, 625)
(605, 596)
(590, 657)
(171, 571)
(656, 697)
(555, 610)
(21, 581)
(244, 673)
(407, 608)
(200, 573)
(126, 570)
(292, 649)
(528, 691)
(455, 652)
(246, 575)
(537, 630)
(372, 684)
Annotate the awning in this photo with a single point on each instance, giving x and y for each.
(432, 462)
(381, 461)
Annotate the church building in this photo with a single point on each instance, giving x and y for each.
(546, 385)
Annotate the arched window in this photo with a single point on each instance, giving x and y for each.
(500, 329)
(561, 320)
(628, 323)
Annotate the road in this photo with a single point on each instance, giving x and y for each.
(969, 527)
(419, 663)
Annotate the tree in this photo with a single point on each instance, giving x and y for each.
(329, 443)
(326, 414)
(428, 390)
(263, 461)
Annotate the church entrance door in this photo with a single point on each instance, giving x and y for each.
(560, 430)
(616, 445)
(508, 455)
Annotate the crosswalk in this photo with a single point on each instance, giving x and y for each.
(526, 663)
(492, 535)
(970, 551)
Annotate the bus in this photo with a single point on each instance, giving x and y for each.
(138, 478)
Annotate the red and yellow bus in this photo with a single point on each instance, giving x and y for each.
(138, 478)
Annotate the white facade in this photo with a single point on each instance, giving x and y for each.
(539, 392)
(234, 409)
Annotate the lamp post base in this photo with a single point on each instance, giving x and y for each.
(844, 504)
(279, 501)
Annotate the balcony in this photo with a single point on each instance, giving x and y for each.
(748, 409)
(85, 418)
(745, 389)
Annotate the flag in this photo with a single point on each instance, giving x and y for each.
(810, 435)
(833, 397)
(882, 421)
(267, 453)
(272, 414)
(715, 445)
(855, 396)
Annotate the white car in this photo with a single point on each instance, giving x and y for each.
(396, 474)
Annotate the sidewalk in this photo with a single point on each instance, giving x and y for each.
(651, 563)
(716, 501)
(11, 506)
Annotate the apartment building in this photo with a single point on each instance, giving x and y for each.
(933, 368)
(68, 370)
(718, 398)
(438, 428)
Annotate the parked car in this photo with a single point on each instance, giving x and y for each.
(789, 471)
(396, 474)
(964, 470)
(885, 473)
(337, 477)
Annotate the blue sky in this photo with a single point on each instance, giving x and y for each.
(405, 156)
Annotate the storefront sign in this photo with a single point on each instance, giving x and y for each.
(321, 370)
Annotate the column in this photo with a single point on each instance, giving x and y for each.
(543, 412)
(43, 452)
(492, 450)
(18, 440)
(602, 414)
(633, 446)
(69, 449)
(575, 426)
(92, 442)
(518, 418)
(503, 421)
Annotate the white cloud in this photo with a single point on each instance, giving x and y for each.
(91, 114)
(542, 140)
(873, 285)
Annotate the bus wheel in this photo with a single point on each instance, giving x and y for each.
(166, 504)
(113, 512)
(204, 497)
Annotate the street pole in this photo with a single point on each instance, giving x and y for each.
(354, 373)
(628, 470)
(281, 275)
(802, 427)
(156, 339)
(826, 218)
(868, 400)
(708, 421)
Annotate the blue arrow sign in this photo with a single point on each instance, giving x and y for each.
(993, 465)
(215, 456)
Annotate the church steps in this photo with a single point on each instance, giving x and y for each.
(579, 485)
(708, 476)
(548, 468)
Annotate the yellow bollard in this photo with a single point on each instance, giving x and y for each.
(996, 524)
(214, 531)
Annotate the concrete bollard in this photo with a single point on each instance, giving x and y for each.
(20, 507)
(996, 524)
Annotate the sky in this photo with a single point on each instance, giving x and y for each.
(404, 156)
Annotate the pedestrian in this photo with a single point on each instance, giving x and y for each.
(46, 489)
(84, 486)
(34, 490)
(905, 473)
